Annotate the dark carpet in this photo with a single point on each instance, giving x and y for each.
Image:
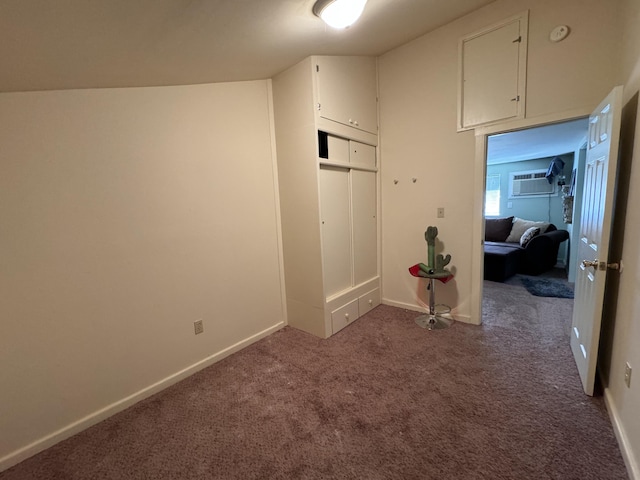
(382, 399)
(547, 287)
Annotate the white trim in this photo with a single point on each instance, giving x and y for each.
(47, 441)
(633, 467)
(276, 194)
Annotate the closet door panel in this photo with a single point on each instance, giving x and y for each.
(336, 229)
(365, 226)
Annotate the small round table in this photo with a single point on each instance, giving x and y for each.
(433, 320)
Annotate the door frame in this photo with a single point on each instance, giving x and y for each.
(480, 173)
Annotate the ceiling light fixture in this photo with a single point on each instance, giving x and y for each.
(339, 13)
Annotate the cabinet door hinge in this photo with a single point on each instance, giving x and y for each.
(317, 68)
(517, 40)
(319, 107)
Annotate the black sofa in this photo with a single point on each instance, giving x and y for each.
(507, 252)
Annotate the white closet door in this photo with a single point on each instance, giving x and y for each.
(336, 229)
(365, 227)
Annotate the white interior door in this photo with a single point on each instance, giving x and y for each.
(595, 231)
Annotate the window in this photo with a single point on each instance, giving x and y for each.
(492, 197)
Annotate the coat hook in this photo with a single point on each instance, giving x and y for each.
(414, 180)
(395, 182)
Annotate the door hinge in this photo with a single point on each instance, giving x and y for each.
(317, 68)
(517, 40)
(319, 107)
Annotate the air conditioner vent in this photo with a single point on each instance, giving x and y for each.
(533, 183)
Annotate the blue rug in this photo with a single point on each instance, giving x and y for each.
(547, 287)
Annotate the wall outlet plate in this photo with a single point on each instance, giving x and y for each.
(198, 326)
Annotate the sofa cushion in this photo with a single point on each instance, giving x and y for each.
(500, 261)
(520, 226)
(528, 235)
(497, 229)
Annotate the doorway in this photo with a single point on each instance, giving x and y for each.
(529, 137)
(533, 187)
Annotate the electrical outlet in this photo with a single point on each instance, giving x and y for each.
(440, 212)
(627, 375)
(198, 326)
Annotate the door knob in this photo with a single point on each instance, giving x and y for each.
(588, 263)
(602, 265)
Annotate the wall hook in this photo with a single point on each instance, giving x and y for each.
(395, 182)
(414, 180)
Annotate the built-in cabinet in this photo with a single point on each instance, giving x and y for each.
(347, 91)
(492, 73)
(325, 111)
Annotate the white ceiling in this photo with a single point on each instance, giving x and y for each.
(539, 142)
(60, 44)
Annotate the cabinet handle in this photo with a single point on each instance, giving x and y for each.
(370, 302)
(346, 316)
(351, 121)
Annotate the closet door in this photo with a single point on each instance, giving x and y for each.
(365, 225)
(336, 229)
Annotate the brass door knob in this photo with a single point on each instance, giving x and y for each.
(588, 263)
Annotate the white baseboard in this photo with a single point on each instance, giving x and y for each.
(633, 468)
(421, 309)
(43, 443)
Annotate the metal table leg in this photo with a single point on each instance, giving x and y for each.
(433, 320)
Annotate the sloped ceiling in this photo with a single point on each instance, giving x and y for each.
(62, 44)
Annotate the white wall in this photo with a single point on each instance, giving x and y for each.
(418, 95)
(418, 139)
(127, 214)
(623, 328)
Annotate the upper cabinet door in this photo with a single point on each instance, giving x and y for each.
(492, 74)
(347, 91)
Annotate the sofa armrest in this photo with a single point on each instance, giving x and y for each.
(541, 253)
(557, 236)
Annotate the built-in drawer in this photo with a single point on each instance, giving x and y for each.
(368, 301)
(362, 154)
(344, 315)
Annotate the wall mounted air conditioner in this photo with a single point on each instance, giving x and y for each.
(530, 184)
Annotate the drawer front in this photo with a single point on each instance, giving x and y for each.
(344, 315)
(362, 154)
(338, 149)
(368, 301)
